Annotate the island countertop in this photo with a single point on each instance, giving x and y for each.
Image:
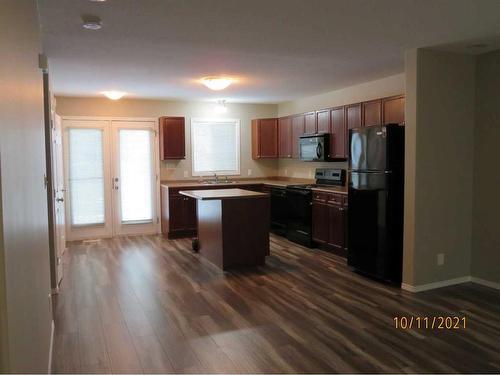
(221, 194)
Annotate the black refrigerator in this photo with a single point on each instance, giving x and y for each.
(376, 201)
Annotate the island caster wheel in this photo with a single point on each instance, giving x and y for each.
(195, 244)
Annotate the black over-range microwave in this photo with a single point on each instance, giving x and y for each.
(314, 147)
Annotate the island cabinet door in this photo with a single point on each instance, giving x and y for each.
(190, 218)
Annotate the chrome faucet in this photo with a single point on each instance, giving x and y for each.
(216, 178)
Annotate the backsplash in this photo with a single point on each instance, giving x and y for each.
(301, 169)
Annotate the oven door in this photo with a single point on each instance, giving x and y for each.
(299, 226)
(279, 211)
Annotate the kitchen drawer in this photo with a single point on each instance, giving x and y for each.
(335, 199)
(320, 197)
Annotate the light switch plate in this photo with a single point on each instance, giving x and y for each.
(249, 172)
(440, 259)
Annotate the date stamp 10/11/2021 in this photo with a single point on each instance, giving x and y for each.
(430, 322)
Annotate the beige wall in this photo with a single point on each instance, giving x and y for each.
(410, 166)
(439, 166)
(388, 86)
(486, 214)
(24, 277)
(69, 106)
(3, 293)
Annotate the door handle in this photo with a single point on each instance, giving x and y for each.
(59, 199)
(319, 150)
(114, 182)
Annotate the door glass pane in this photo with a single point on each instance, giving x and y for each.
(86, 176)
(136, 175)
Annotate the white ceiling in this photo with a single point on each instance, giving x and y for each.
(280, 49)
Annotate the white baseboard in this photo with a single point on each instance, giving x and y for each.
(51, 347)
(487, 283)
(441, 284)
(438, 284)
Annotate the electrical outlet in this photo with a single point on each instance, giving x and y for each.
(440, 259)
(249, 172)
(185, 173)
(286, 172)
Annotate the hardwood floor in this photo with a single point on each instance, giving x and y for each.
(148, 304)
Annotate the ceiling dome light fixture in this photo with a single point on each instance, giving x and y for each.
(91, 22)
(220, 107)
(113, 95)
(217, 83)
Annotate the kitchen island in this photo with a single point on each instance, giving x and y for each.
(233, 226)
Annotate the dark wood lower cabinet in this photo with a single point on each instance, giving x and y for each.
(320, 222)
(329, 222)
(336, 226)
(329, 215)
(178, 212)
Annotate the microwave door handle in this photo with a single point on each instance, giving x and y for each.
(319, 150)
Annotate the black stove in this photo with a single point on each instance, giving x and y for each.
(299, 201)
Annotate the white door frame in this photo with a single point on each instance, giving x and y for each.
(59, 189)
(109, 230)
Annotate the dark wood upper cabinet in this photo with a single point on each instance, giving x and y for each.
(285, 137)
(298, 129)
(172, 139)
(265, 138)
(352, 120)
(353, 116)
(310, 123)
(393, 110)
(372, 113)
(323, 121)
(338, 133)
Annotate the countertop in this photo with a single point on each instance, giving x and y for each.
(280, 182)
(220, 194)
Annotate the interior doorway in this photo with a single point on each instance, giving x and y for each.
(112, 177)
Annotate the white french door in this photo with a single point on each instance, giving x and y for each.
(112, 177)
(134, 177)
